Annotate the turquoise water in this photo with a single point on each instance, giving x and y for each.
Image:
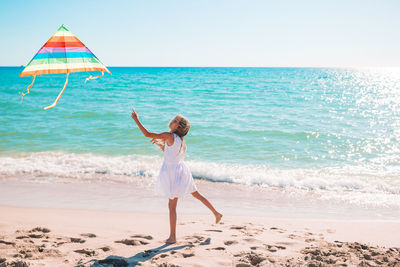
(311, 128)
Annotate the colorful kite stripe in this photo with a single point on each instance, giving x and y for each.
(63, 53)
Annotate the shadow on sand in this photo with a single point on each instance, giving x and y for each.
(118, 261)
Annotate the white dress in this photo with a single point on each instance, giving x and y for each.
(175, 178)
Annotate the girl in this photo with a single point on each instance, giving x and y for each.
(174, 179)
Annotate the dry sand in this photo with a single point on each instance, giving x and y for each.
(66, 237)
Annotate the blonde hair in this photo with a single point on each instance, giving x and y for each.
(182, 129)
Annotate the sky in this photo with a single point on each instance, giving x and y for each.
(243, 33)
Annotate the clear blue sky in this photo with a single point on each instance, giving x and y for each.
(334, 33)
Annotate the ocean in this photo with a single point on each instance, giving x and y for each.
(331, 131)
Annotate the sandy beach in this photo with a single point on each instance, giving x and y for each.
(64, 237)
(58, 235)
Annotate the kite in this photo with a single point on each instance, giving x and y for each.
(62, 53)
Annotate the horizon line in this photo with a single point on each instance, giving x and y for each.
(341, 67)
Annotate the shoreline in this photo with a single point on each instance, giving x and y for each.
(138, 196)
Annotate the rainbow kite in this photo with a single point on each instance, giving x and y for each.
(62, 53)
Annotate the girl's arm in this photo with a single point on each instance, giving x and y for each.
(164, 136)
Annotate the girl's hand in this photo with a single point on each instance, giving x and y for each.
(134, 115)
(158, 142)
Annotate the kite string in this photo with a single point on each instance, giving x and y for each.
(27, 90)
(59, 95)
(95, 77)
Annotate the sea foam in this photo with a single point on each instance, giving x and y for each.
(351, 184)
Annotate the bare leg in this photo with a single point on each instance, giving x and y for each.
(172, 220)
(218, 215)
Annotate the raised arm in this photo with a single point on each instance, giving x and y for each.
(164, 136)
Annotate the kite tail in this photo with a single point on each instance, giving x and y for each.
(62, 91)
(95, 77)
(29, 87)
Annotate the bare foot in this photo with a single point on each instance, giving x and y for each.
(170, 240)
(218, 217)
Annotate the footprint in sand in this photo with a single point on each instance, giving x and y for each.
(249, 231)
(250, 259)
(25, 253)
(194, 239)
(236, 227)
(35, 235)
(258, 231)
(49, 252)
(187, 255)
(246, 231)
(230, 242)
(31, 252)
(77, 240)
(89, 235)
(271, 248)
(148, 237)
(217, 248)
(285, 243)
(293, 236)
(59, 244)
(7, 243)
(105, 249)
(274, 248)
(279, 230)
(132, 242)
(309, 240)
(40, 229)
(86, 251)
